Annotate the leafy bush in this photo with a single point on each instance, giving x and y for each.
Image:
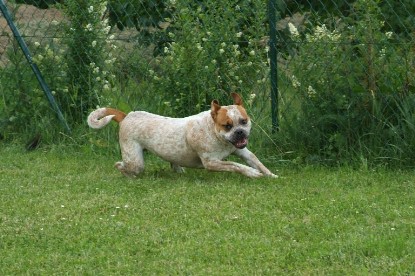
(77, 67)
(353, 88)
(224, 53)
(88, 58)
(23, 106)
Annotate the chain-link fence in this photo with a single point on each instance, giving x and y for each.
(346, 79)
(345, 69)
(170, 57)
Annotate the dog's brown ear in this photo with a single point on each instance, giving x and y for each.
(237, 100)
(214, 108)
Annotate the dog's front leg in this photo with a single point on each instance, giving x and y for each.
(228, 166)
(253, 161)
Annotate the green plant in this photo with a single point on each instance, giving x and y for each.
(89, 57)
(24, 109)
(348, 81)
(224, 53)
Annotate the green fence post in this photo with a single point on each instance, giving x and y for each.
(273, 63)
(33, 65)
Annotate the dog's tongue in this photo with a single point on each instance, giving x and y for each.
(241, 143)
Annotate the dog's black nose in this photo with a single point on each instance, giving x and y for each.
(239, 133)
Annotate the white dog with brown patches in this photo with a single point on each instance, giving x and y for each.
(199, 141)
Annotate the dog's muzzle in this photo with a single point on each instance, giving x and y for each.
(239, 139)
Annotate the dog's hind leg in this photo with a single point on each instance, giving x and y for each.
(132, 163)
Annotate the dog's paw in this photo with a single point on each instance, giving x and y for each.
(253, 173)
(177, 168)
(271, 175)
(121, 167)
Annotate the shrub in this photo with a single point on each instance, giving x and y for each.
(213, 51)
(88, 57)
(24, 108)
(352, 86)
(76, 66)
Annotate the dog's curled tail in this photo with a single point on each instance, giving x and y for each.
(102, 116)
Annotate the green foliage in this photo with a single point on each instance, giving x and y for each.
(223, 54)
(88, 57)
(140, 14)
(23, 107)
(77, 67)
(350, 82)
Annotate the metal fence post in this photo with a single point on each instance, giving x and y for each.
(33, 65)
(273, 63)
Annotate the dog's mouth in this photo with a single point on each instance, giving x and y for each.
(241, 143)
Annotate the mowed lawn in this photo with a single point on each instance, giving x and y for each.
(68, 211)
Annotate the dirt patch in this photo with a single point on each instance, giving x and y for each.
(33, 23)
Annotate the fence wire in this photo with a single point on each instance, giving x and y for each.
(345, 68)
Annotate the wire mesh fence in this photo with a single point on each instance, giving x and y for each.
(345, 69)
(172, 57)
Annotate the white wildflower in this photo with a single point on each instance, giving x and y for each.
(294, 82)
(107, 29)
(94, 43)
(322, 33)
(293, 30)
(239, 34)
(251, 98)
(221, 51)
(91, 9)
(382, 52)
(311, 92)
(37, 44)
(389, 35)
(252, 53)
(89, 27)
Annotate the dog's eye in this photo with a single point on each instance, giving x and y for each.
(244, 121)
(228, 126)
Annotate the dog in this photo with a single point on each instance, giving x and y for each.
(203, 140)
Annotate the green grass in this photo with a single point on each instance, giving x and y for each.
(66, 211)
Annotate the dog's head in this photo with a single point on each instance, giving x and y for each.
(232, 122)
